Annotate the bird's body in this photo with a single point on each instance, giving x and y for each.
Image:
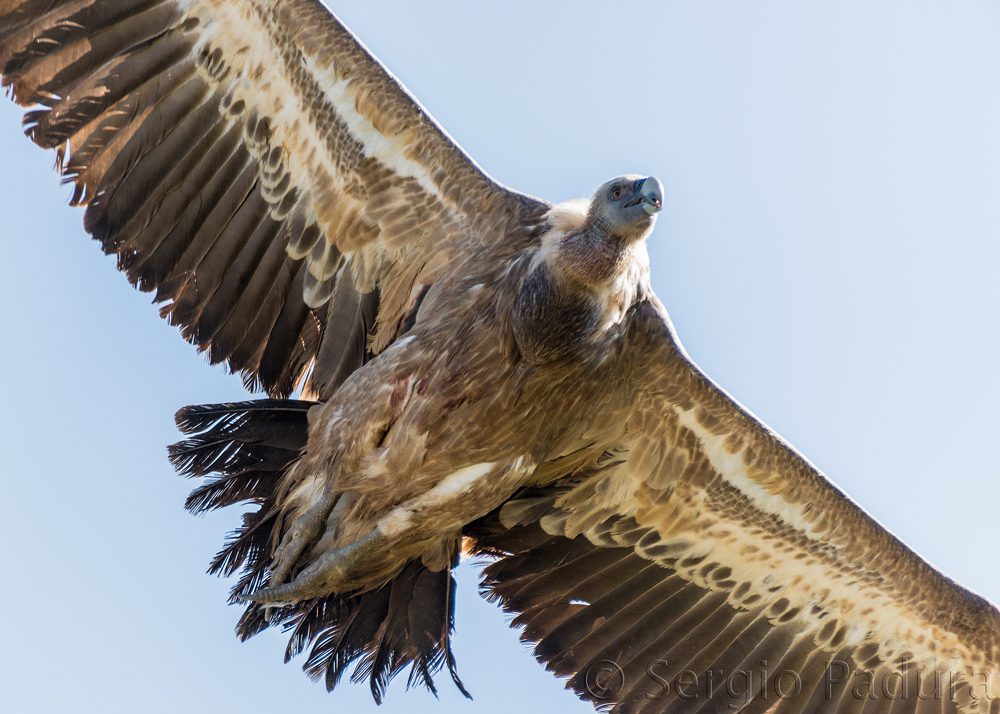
(474, 365)
(465, 409)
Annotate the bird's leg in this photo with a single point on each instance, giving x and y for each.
(402, 532)
(304, 533)
(329, 573)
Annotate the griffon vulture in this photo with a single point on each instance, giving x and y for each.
(474, 369)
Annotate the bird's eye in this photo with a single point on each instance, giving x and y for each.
(616, 193)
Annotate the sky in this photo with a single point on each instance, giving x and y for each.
(828, 252)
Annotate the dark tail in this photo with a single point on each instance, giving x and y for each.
(242, 450)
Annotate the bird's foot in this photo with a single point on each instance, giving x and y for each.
(303, 535)
(328, 574)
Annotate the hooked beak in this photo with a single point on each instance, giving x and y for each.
(649, 192)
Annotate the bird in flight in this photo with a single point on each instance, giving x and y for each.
(475, 370)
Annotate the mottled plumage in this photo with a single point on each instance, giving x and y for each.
(473, 366)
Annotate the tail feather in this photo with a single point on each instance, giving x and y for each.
(433, 647)
(406, 622)
(246, 547)
(242, 450)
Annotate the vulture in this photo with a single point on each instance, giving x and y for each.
(449, 366)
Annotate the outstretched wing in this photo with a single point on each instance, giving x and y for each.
(253, 164)
(702, 564)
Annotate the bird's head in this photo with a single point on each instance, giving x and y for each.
(626, 207)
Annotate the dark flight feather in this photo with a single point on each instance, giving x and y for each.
(245, 448)
(294, 211)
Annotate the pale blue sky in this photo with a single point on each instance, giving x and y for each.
(829, 253)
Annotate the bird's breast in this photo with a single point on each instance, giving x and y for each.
(554, 320)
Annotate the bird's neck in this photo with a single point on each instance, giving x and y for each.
(592, 256)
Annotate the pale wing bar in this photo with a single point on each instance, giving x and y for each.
(244, 159)
(704, 565)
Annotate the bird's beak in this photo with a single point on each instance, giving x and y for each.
(650, 192)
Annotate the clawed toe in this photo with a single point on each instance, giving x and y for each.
(330, 573)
